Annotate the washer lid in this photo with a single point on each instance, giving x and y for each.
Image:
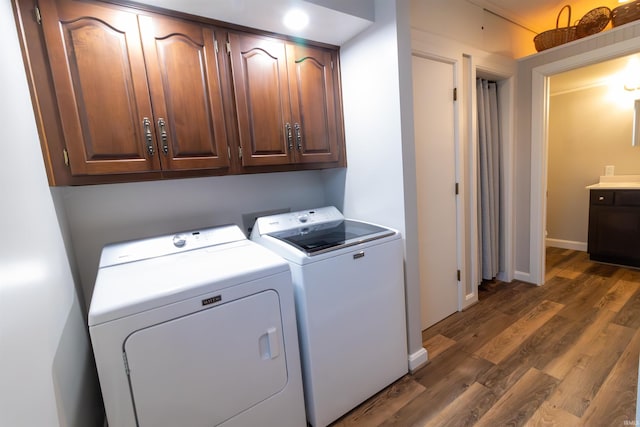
(324, 237)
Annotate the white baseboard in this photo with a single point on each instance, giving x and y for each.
(567, 244)
(522, 276)
(418, 359)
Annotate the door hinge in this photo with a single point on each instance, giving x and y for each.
(457, 188)
(126, 363)
(37, 15)
(458, 275)
(65, 155)
(455, 93)
(229, 48)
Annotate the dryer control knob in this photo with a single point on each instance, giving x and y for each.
(179, 240)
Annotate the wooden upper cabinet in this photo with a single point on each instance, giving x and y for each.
(286, 102)
(100, 83)
(136, 93)
(260, 83)
(130, 92)
(184, 81)
(313, 82)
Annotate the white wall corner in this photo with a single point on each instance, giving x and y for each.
(418, 359)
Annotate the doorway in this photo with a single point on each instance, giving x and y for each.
(435, 140)
(539, 145)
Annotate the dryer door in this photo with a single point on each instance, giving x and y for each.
(207, 367)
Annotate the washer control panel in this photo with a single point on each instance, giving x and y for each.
(293, 220)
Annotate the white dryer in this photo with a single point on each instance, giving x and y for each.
(196, 329)
(349, 288)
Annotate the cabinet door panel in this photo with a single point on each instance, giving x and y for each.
(313, 86)
(262, 99)
(100, 83)
(184, 81)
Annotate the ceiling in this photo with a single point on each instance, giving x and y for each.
(336, 21)
(541, 15)
(331, 21)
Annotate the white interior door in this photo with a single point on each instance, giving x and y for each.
(434, 121)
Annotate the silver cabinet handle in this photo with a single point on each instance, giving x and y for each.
(287, 128)
(148, 137)
(298, 136)
(163, 135)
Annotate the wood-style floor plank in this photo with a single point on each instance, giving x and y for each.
(549, 415)
(618, 295)
(564, 362)
(508, 340)
(629, 315)
(579, 387)
(465, 410)
(383, 405)
(437, 344)
(521, 401)
(445, 379)
(563, 354)
(615, 402)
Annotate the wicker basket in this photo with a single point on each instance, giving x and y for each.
(557, 36)
(625, 13)
(593, 22)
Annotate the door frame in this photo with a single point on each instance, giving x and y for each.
(540, 143)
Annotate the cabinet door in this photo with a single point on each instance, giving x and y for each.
(100, 83)
(262, 99)
(184, 81)
(313, 83)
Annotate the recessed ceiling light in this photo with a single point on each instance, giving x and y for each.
(296, 19)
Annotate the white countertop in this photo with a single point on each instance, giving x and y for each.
(617, 182)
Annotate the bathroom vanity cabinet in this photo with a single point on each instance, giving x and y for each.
(614, 226)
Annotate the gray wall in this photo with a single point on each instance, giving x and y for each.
(102, 214)
(379, 184)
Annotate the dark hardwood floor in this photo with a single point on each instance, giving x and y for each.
(563, 354)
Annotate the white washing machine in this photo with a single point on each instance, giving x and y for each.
(349, 289)
(196, 329)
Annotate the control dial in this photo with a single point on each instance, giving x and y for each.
(179, 240)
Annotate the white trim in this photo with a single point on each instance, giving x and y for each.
(539, 140)
(538, 200)
(508, 177)
(566, 244)
(418, 359)
(522, 276)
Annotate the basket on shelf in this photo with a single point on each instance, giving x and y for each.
(556, 36)
(625, 13)
(593, 22)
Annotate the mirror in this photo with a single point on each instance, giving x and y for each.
(635, 141)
